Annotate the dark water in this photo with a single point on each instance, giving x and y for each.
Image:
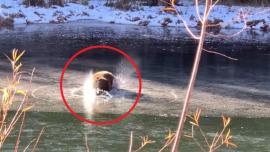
(65, 133)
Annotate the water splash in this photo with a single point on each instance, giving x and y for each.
(123, 74)
(89, 94)
(121, 90)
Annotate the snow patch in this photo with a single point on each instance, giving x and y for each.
(145, 15)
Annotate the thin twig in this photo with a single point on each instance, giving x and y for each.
(28, 145)
(213, 141)
(199, 145)
(197, 10)
(229, 36)
(219, 136)
(204, 136)
(168, 143)
(86, 143)
(130, 142)
(185, 23)
(19, 135)
(145, 142)
(192, 79)
(223, 55)
(213, 5)
(11, 124)
(41, 132)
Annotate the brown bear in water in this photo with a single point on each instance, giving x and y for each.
(103, 81)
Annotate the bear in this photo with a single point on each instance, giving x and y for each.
(103, 81)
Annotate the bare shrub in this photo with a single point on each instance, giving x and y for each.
(129, 4)
(46, 3)
(246, 2)
(223, 138)
(149, 2)
(132, 4)
(40, 3)
(83, 2)
(8, 95)
(57, 2)
(120, 4)
(6, 22)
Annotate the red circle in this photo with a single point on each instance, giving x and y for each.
(112, 49)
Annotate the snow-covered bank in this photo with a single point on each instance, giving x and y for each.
(152, 16)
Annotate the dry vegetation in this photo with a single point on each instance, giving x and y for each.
(9, 94)
(121, 4)
(132, 4)
(129, 4)
(246, 2)
(34, 2)
(8, 97)
(6, 22)
(221, 138)
(205, 142)
(48, 3)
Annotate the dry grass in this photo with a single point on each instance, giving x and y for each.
(8, 96)
(145, 141)
(11, 93)
(221, 138)
(44, 3)
(206, 143)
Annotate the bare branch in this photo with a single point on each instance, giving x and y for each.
(38, 139)
(131, 142)
(28, 145)
(19, 135)
(185, 23)
(86, 143)
(223, 55)
(197, 10)
(229, 36)
(192, 78)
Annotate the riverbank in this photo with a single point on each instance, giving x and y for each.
(86, 28)
(231, 17)
(233, 88)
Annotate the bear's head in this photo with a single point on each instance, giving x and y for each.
(103, 80)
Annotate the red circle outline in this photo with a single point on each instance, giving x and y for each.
(112, 49)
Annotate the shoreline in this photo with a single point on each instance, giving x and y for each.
(232, 16)
(249, 37)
